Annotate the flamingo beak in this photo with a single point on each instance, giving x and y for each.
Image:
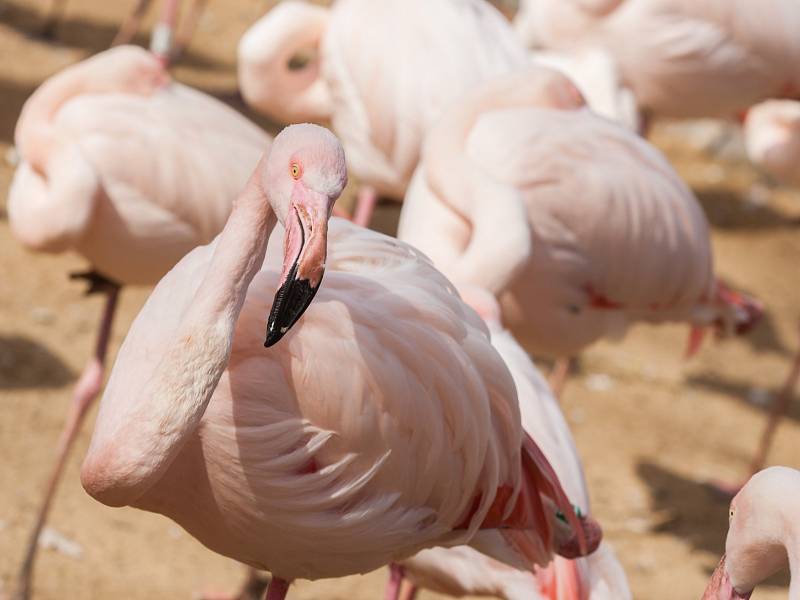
(720, 586)
(305, 249)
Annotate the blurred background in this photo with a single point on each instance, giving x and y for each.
(651, 428)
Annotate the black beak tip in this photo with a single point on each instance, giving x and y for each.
(274, 335)
(291, 301)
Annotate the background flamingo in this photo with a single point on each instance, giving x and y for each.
(107, 172)
(389, 68)
(463, 571)
(772, 135)
(274, 459)
(762, 537)
(680, 58)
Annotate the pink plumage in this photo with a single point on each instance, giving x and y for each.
(681, 58)
(463, 571)
(126, 167)
(333, 452)
(579, 226)
(772, 136)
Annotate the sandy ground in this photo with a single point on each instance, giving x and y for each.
(650, 426)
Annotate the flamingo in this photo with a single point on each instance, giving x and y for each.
(273, 457)
(762, 536)
(382, 71)
(463, 571)
(681, 58)
(772, 136)
(107, 172)
(579, 226)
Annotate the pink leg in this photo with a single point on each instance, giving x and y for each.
(130, 26)
(365, 205)
(161, 40)
(277, 589)
(396, 575)
(86, 390)
(559, 375)
(196, 8)
(779, 407)
(408, 591)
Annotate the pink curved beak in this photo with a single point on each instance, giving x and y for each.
(720, 586)
(305, 249)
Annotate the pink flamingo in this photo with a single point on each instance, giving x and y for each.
(588, 228)
(271, 456)
(762, 536)
(387, 71)
(107, 172)
(681, 58)
(462, 571)
(772, 135)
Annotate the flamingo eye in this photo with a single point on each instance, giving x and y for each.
(730, 514)
(296, 170)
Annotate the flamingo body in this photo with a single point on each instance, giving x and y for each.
(681, 58)
(272, 456)
(772, 136)
(130, 178)
(612, 234)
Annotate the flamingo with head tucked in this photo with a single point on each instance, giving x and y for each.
(681, 58)
(382, 71)
(462, 571)
(763, 536)
(271, 456)
(578, 226)
(772, 137)
(130, 170)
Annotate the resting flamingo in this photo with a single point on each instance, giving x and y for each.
(681, 58)
(588, 228)
(271, 456)
(763, 536)
(107, 172)
(772, 136)
(383, 72)
(462, 571)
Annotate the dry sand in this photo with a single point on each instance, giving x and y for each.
(650, 426)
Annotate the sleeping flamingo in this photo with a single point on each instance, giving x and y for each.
(462, 571)
(107, 172)
(681, 58)
(579, 226)
(763, 536)
(383, 72)
(271, 456)
(772, 136)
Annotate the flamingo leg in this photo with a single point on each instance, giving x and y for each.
(365, 205)
(130, 26)
(184, 35)
(162, 39)
(86, 390)
(277, 589)
(253, 588)
(395, 583)
(559, 375)
(408, 591)
(777, 411)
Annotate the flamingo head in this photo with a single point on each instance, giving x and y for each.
(304, 175)
(762, 517)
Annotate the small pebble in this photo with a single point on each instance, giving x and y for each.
(42, 315)
(599, 382)
(759, 397)
(50, 539)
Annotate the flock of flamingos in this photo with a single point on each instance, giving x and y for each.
(315, 399)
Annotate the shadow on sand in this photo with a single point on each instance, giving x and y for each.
(25, 364)
(694, 513)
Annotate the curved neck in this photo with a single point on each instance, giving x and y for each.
(124, 462)
(500, 243)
